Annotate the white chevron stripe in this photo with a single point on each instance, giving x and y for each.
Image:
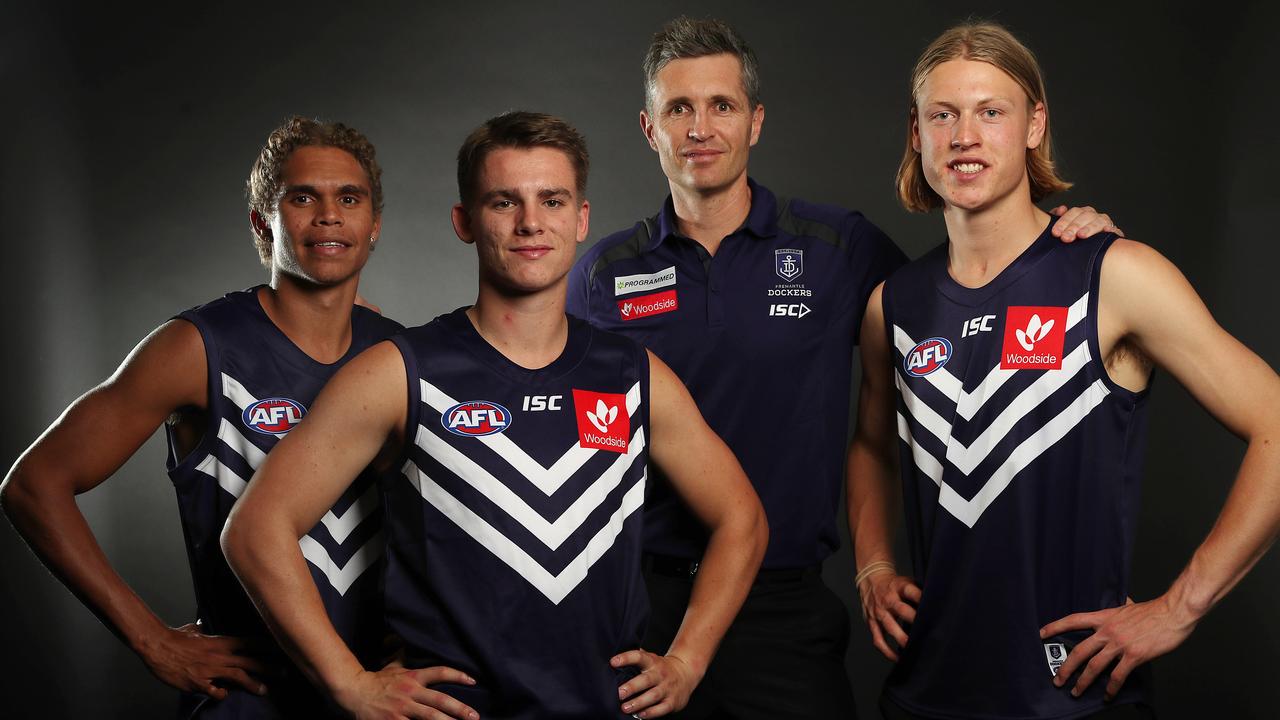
(966, 459)
(341, 578)
(232, 388)
(341, 526)
(927, 463)
(968, 403)
(554, 587)
(227, 478)
(968, 511)
(548, 480)
(251, 453)
(552, 534)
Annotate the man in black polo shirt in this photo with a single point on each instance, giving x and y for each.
(754, 300)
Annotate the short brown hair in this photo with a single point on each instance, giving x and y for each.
(989, 43)
(263, 186)
(523, 130)
(686, 37)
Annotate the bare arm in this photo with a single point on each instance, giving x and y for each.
(363, 405)
(1143, 298)
(78, 452)
(871, 490)
(710, 480)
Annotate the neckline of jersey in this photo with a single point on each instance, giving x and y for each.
(575, 349)
(297, 355)
(973, 297)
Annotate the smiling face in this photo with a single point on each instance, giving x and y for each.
(526, 219)
(323, 227)
(972, 128)
(701, 124)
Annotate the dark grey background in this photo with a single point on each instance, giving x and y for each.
(127, 136)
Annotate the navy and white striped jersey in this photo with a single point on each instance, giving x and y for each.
(1021, 461)
(514, 531)
(260, 385)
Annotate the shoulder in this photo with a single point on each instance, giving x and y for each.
(377, 324)
(621, 245)
(836, 225)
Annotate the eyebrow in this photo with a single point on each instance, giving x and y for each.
(512, 194)
(313, 190)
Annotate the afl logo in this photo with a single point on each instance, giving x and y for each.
(476, 418)
(928, 356)
(273, 416)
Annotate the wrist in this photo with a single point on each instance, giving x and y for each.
(696, 665)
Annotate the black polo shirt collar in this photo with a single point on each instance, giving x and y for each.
(762, 219)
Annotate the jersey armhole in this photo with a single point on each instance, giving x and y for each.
(413, 412)
(213, 399)
(1096, 360)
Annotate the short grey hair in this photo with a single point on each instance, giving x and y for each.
(686, 37)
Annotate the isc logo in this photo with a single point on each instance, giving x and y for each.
(928, 356)
(537, 403)
(273, 416)
(796, 310)
(476, 418)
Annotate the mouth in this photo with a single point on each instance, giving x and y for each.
(532, 252)
(702, 155)
(967, 167)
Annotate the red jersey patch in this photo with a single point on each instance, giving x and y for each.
(644, 305)
(1033, 338)
(603, 422)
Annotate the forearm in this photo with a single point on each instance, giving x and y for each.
(1245, 529)
(872, 503)
(269, 563)
(728, 568)
(48, 518)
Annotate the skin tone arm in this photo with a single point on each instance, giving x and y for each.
(710, 480)
(84, 447)
(358, 412)
(1081, 222)
(1145, 300)
(888, 599)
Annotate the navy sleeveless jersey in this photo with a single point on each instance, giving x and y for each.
(513, 534)
(260, 385)
(1021, 461)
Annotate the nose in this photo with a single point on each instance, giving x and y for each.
(529, 221)
(328, 212)
(964, 134)
(700, 128)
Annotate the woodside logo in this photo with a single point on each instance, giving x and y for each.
(645, 305)
(1033, 338)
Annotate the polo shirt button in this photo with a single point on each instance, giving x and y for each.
(715, 287)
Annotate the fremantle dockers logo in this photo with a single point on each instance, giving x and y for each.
(789, 263)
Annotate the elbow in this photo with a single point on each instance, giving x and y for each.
(18, 496)
(758, 533)
(235, 545)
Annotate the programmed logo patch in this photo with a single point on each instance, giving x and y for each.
(624, 284)
(273, 416)
(1033, 338)
(927, 356)
(645, 305)
(603, 422)
(476, 418)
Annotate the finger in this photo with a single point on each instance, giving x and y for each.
(889, 624)
(1077, 621)
(637, 684)
(644, 660)
(441, 674)
(236, 676)
(1078, 656)
(658, 710)
(1093, 669)
(1118, 675)
(1117, 231)
(440, 706)
(911, 591)
(903, 612)
(1098, 224)
(1065, 224)
(249, 663)
(1058, 210)
(649, 698)
(214, 691)
(878, 641)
